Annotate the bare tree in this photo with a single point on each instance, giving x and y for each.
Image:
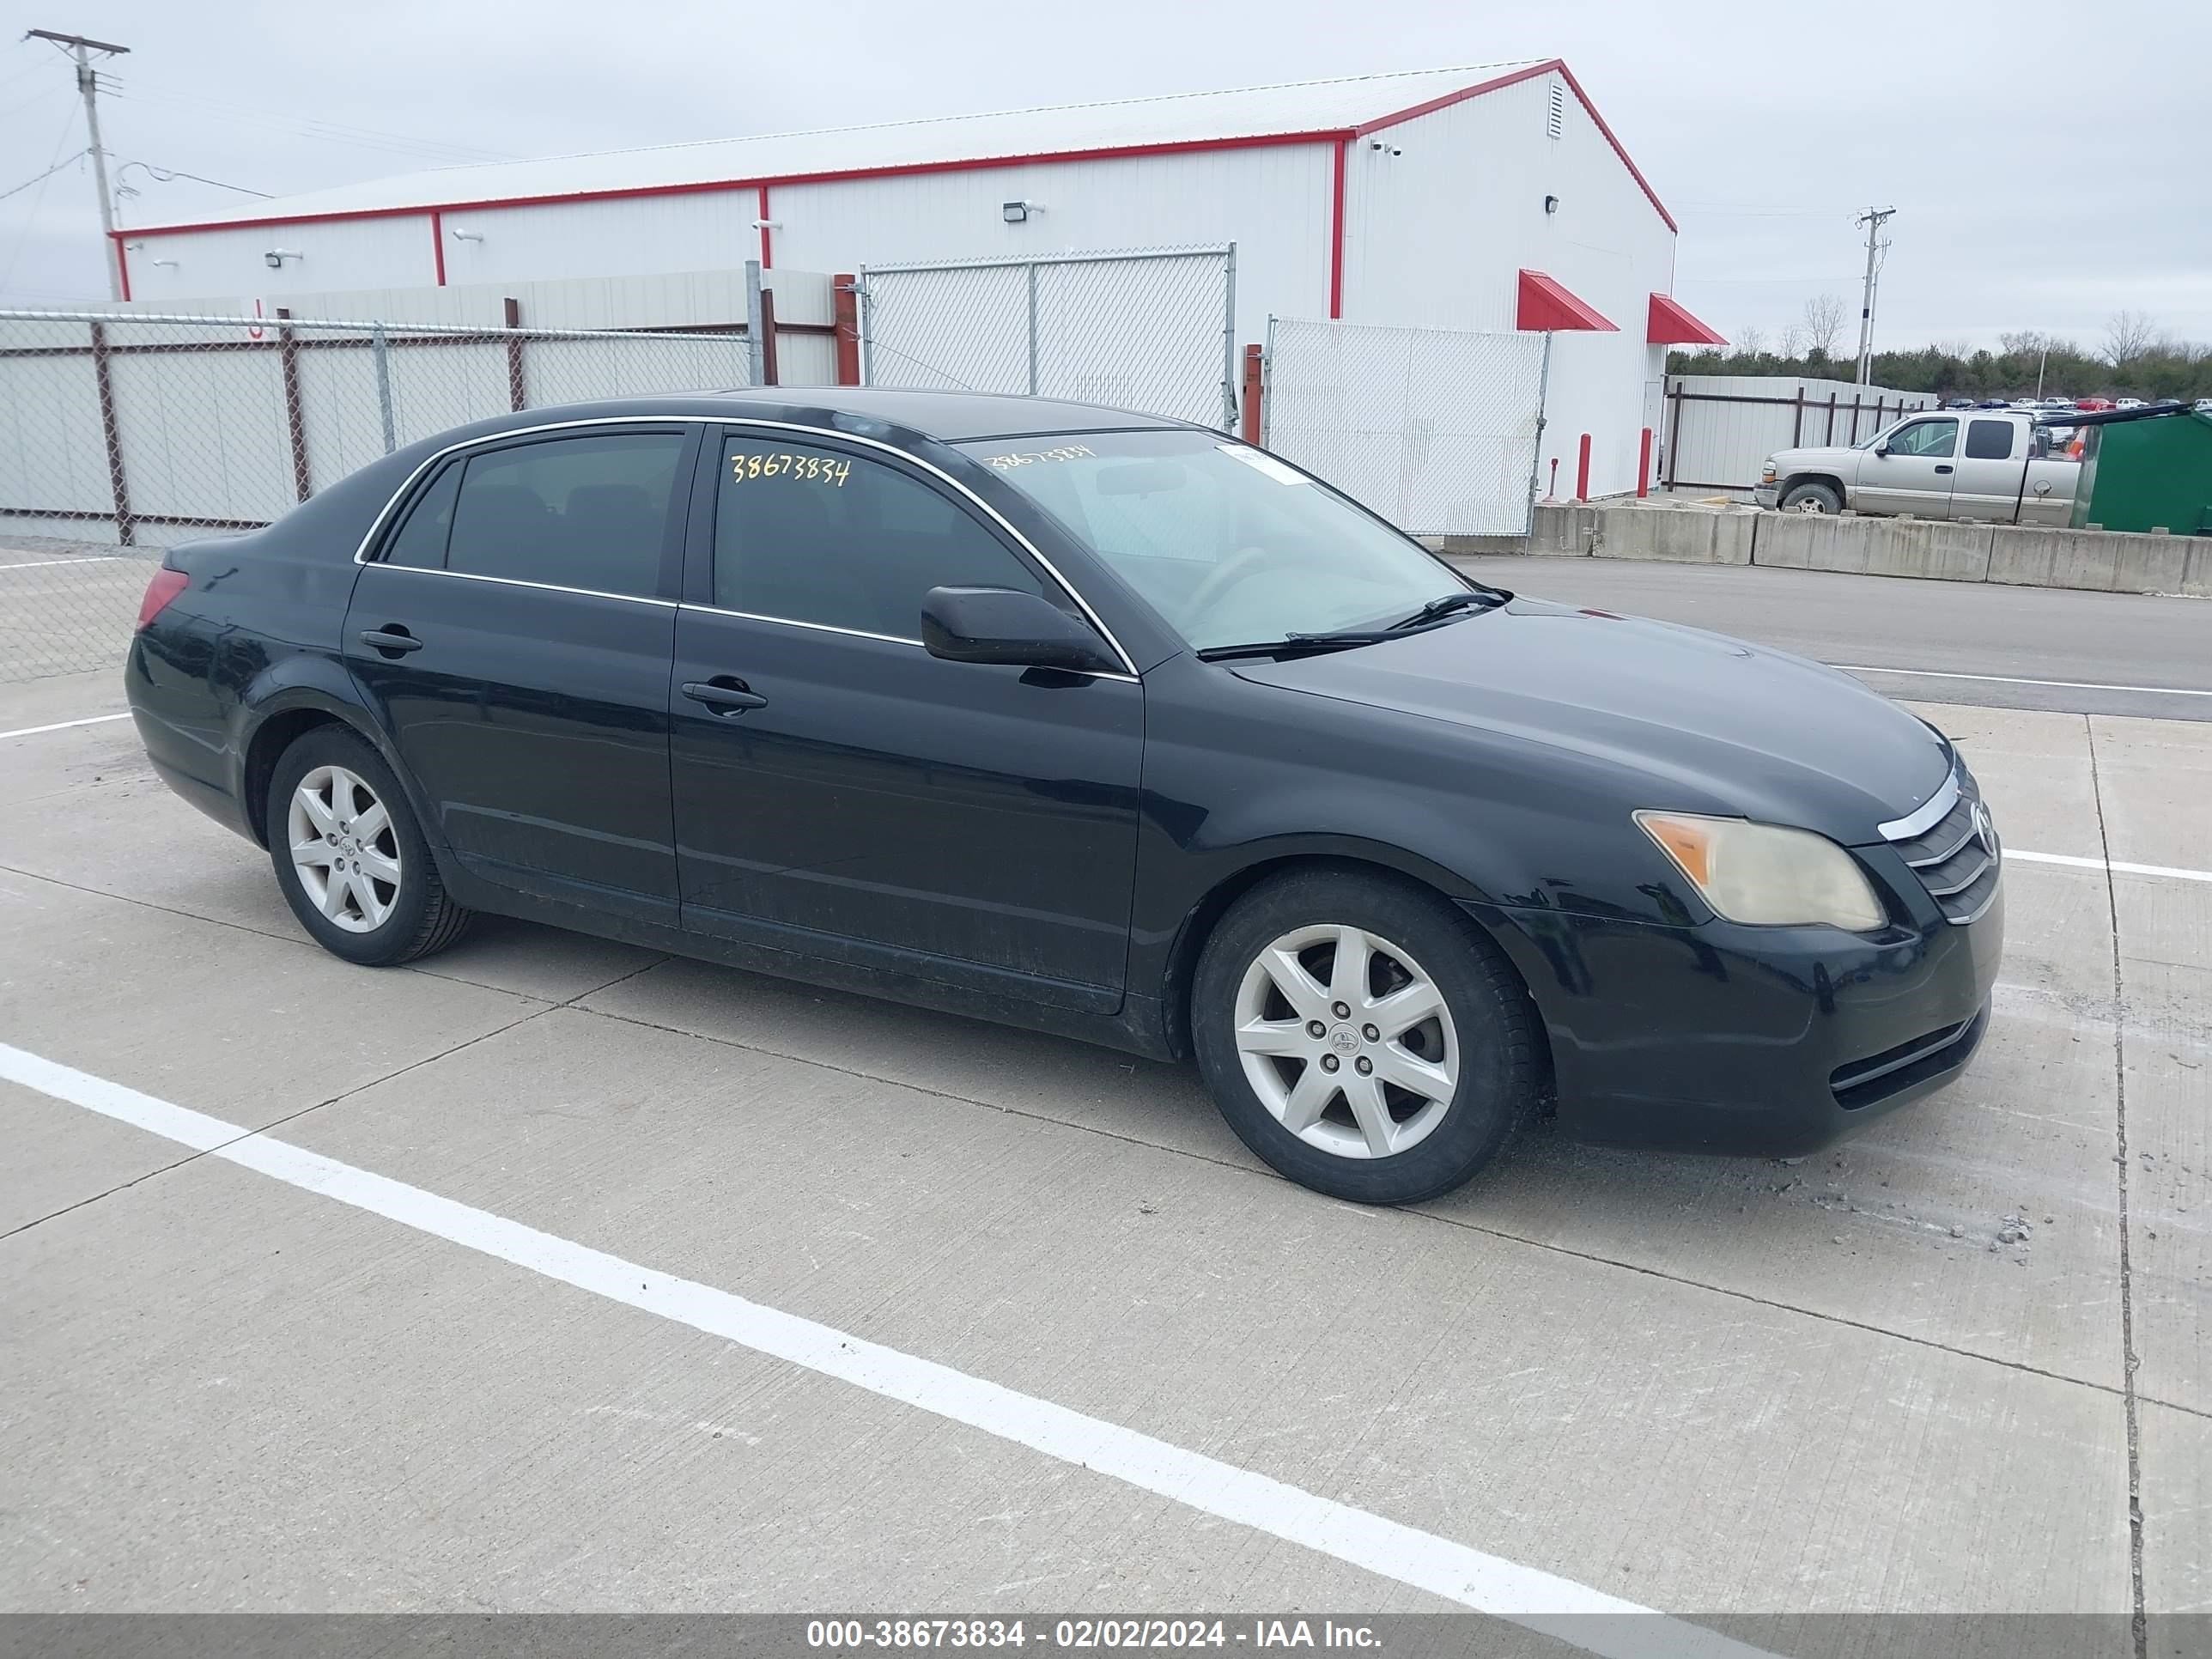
(1823, 322)
(1750, 341)
(1791, 343)
(2023, 342)
(1956, 346)
(2129, 335)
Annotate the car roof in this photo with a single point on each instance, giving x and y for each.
(894, 413)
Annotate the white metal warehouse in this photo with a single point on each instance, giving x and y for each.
(1492, 197)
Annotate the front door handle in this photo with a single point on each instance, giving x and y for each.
(1944, 467)
(725, 694)
(391, 639)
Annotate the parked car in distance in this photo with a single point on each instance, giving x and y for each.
(1097, 724)
(2127, 403)
(1994, 403)
(1994, 466)
(1960, 403)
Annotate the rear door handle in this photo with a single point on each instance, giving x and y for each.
(725, 694)
(391, 639)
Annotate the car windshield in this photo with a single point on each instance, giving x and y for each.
(1226, 543)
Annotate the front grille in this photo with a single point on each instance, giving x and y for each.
(1957, 862)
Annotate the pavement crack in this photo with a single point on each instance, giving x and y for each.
(2129, 1360)
(1412, 1215)
(276, 1123)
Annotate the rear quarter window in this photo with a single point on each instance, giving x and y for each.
(1989, 440)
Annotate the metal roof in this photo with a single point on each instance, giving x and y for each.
(1254, 113)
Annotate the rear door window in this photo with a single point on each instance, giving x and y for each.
(586, 512)
(1989, 440)
(420, 543)
(809, 533)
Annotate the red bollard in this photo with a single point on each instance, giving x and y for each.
(1581, 471)
(1644, 467)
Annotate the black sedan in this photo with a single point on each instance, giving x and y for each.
(1099, 724)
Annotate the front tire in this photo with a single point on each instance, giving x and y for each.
(1363, 1037)
(1812, 498)
(350, 857)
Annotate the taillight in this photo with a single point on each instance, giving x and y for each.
(166, 586)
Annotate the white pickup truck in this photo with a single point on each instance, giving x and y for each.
(1997, 466)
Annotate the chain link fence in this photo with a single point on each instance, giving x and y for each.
(1437, 430)
(1152, 330)
(121, 435)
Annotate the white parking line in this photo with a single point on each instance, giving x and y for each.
(41, 564)
(61, 725)
(1528, 1597)
(2008, 679)
(2117, 867)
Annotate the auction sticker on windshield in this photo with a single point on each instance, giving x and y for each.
(1260, 461)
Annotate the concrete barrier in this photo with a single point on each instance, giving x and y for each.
(1874, 547)
(1561, 530)
(2103, 560)
(1676, 534)
(2099, 560)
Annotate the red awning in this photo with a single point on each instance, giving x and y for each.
(1545, 305)
(1672, 325)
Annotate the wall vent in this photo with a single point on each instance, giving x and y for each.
(1555, 113)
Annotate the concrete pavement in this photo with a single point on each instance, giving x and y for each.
(1710, 1387)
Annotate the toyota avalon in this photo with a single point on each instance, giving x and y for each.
(1098, 724)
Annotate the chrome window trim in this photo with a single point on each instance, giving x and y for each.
(376, 526)
(519, 581)
(831, 436)
(886, 639)
(1918, 822)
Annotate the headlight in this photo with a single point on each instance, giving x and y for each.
(1767, 473)
(1764, 874)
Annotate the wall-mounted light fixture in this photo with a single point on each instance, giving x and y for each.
(1376, 144)
(1551, 204)
(171, 263)
(1016, 213)
(275, 257)
(768, 224)
(460, 235)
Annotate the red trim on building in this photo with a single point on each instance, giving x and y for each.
(122, 263)
(765, 260)
(1336, 233)
(1339, 137)
(1668, 324)
(1545, 305)
(707, 187)
(1555, 65)
(438, 243)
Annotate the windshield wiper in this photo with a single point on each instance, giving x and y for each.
(1299, 645)
(1466, 598)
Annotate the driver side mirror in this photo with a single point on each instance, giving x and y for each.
(1882, 448)
(1004, 625)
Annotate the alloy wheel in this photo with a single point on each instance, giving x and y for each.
(1347, 1041)
(343, 848)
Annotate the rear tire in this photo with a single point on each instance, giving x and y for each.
(1812, 498)
(349, 857)
(1409, 1090)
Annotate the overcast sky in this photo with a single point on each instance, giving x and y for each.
(2048, 160)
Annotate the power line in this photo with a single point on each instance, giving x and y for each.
(170, 175)
(23, 238)
(67, 161)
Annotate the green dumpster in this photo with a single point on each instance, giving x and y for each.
(2146, 469)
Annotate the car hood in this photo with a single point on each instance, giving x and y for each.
(1818, 457)
(1712, 724)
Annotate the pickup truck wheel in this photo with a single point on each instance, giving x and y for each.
(1812, 498)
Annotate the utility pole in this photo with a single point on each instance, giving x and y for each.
(1873, 219)
(87, 86)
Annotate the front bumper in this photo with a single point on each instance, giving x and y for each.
(1766, 495)
(1726, 1038)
